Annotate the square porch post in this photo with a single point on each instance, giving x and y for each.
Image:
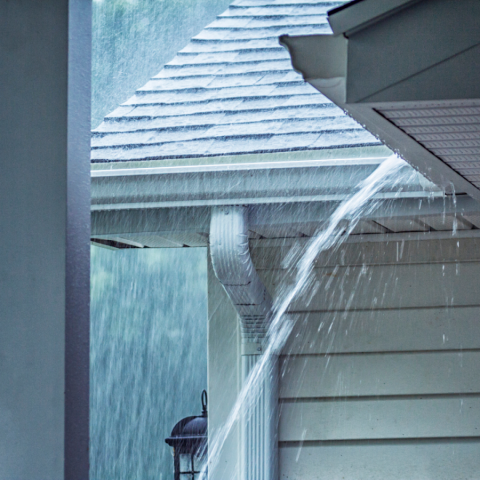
(44, 232)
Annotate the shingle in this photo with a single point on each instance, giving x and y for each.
(229, 68)
(269, 21)
(133, 124)
(239, 55)
(238, 145)
(201, 95)
(179, 71)
(261, 33)
(167, 150)
(298, 88)
(231, 90)
(177, 83)
(185, 108)
(202, 46)
(237, 10)
(285, 76)
(272, 127)
(272, 10)
(345, 138)
(296, 140)
(260, 3)
(224, 118)
(147, 137)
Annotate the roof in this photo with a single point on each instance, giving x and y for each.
(232, 91)
(229, 122)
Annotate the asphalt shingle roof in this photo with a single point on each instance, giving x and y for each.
(231, 90)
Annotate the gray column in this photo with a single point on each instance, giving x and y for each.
(44, 229)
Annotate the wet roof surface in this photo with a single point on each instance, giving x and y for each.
(232, 91)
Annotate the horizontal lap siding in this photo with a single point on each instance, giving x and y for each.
(375, 287)
(385, 330)
(435, 460)
(380, 374)
(381, 419)
(379, 378)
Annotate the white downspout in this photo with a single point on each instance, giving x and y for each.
(234, 269)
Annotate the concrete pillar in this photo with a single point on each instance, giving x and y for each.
(44, 230)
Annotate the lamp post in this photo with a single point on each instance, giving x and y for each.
(189, 442)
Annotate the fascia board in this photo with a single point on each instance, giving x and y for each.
(321, 59)
(359, 14)
(197, 219)
(228, 162)
(305, 182)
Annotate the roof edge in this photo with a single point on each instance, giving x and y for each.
(323, 154)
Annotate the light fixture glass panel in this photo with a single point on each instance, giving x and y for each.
(185, 462)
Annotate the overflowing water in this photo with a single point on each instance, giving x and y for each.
(391, 173)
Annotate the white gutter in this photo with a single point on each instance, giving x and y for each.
(227, 167)
(233, 266)
(234, 184)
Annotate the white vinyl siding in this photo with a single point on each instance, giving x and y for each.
(379, 379)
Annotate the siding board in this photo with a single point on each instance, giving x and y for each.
(436, 460)
(374, 287)
(320, 376)
(375, 419)
(385, 331)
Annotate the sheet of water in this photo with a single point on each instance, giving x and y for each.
(391, 173)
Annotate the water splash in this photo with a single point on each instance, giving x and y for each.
(391, 173)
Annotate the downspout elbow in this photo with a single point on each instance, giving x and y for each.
(234, 269)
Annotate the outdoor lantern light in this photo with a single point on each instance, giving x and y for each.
(189, 442)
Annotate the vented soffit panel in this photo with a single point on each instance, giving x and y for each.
(409, 74)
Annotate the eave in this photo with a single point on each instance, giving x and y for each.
(407, 71)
